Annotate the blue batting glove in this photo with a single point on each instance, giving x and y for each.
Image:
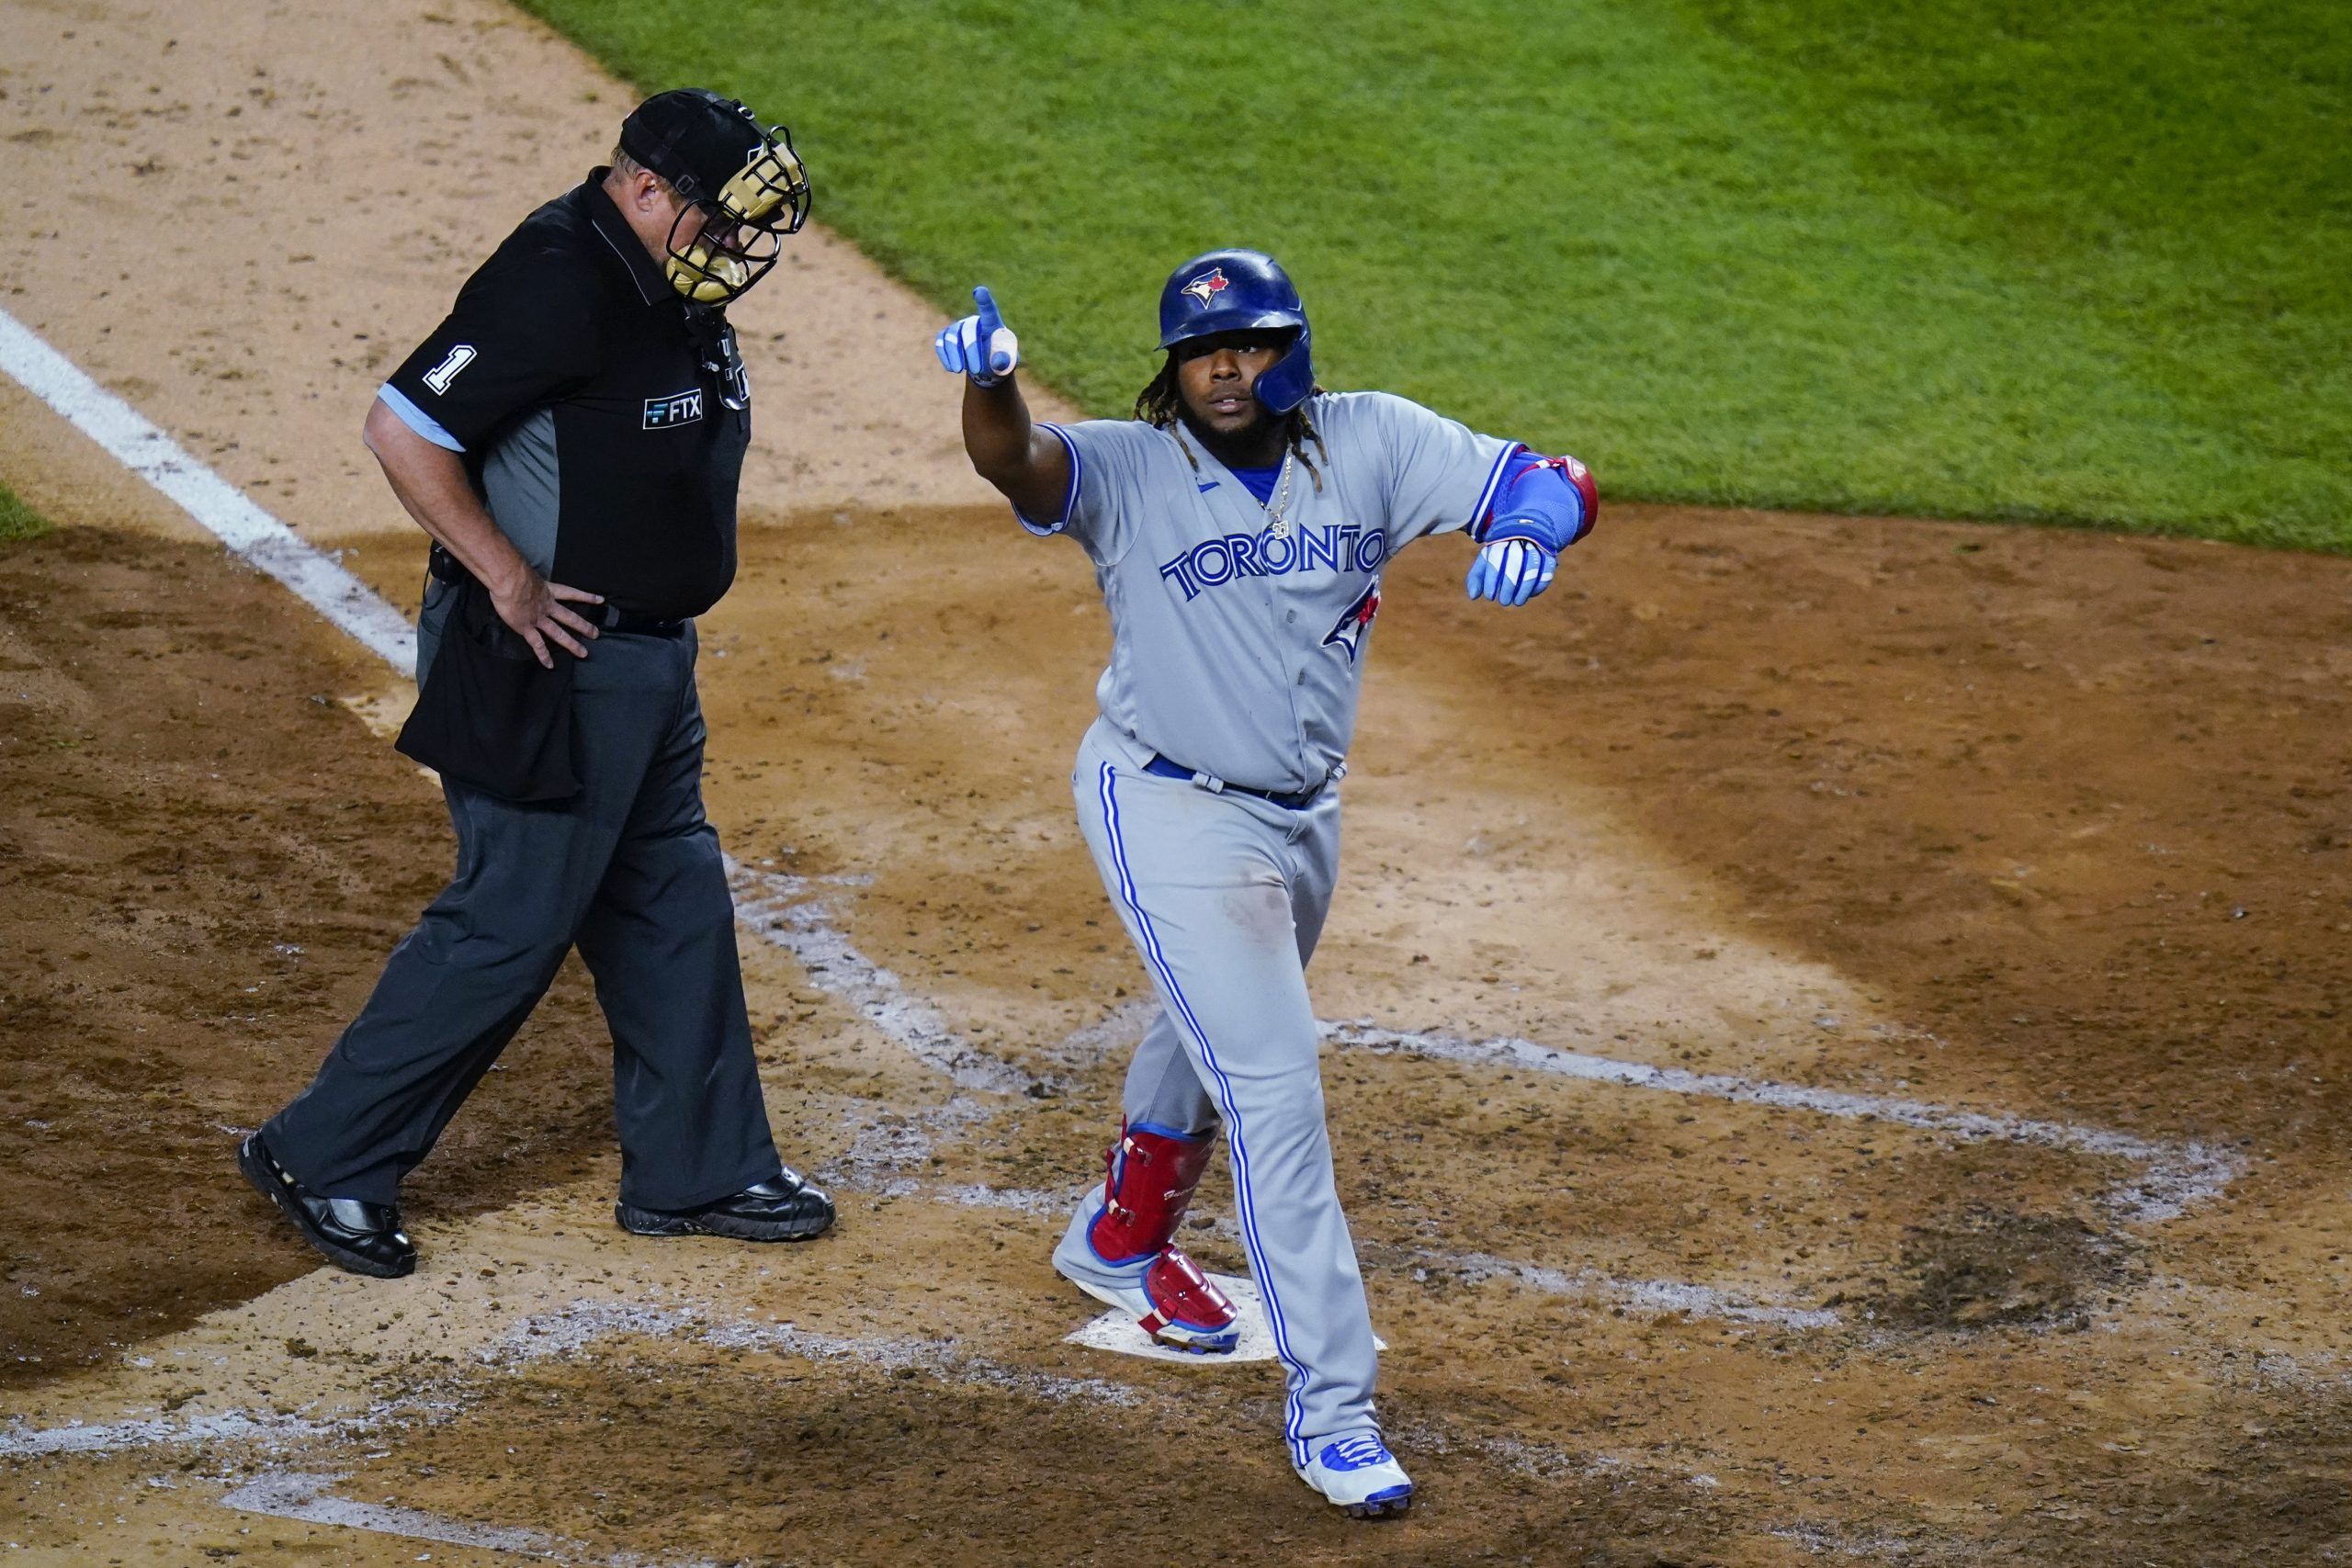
(1511, 571)
(980, 346)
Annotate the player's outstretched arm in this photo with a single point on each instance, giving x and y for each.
(1547, 504)
(1006, 447)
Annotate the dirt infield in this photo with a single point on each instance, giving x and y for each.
(1624, 1322)
(1837, 1024)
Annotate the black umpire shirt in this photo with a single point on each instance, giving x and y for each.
(603, 419)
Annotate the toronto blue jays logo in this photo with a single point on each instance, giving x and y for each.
(1208, 286)
(1355, 620)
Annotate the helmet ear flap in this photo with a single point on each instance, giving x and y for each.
(1287, 381)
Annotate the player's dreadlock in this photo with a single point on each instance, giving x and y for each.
(1162, 403)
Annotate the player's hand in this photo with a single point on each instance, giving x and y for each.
(533, 609)
(1511, 571)
(980, 346)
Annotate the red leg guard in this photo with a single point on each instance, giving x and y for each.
(1152, 1177)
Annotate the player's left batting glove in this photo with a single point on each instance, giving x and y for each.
(1511, 571)
(980, 346)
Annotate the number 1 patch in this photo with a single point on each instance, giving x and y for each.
(441, 375)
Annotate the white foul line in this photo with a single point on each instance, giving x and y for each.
(219, 506)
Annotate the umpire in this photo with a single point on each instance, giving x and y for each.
(571, 437)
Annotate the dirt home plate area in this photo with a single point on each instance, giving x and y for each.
(1836, 1026)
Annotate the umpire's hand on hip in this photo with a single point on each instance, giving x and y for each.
(533, 609)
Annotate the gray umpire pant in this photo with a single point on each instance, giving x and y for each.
(1224, 895)
(630, 872)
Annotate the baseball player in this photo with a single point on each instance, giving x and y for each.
(1239, 525)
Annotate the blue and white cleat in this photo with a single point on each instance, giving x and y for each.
(1358, 1473)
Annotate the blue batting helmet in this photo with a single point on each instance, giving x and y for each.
(1237, 291)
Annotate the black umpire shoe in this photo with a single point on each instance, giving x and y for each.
(364, 1237)
(783, 1207)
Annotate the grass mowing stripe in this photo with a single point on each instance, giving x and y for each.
(2203, 195)
(1648, 233)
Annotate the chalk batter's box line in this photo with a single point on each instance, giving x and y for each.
(301, 1494)
(2174, 1177)
(784, 911)
(305, 1495)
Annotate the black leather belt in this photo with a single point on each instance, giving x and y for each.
(447, 567)
(639, 625)
(1294, 802)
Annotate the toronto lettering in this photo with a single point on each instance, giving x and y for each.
(1213, 563)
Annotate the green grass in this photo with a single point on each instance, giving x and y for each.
(1960, 258)
(17, 521)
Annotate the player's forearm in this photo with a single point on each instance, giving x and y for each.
(1030, 467)
(431, 486)
(998, 434)
(1007, 449)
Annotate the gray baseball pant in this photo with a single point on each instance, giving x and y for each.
(629, 871)
(1224, 895)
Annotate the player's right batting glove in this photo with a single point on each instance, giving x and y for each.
(980, 346)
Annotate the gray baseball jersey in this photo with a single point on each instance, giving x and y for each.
(1237, 644)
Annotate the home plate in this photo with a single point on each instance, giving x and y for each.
(1116, 1331)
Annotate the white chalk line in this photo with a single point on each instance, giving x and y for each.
(896, 1141)
(1657, 1297)
(305, 1496)
(785, 910)
(587, 1321)
(293, 1491)
(566, 1331)
(1817, 1538)
(19, 1440)
(222, 509)
(2176, 1175)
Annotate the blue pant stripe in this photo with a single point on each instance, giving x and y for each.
(1294, 1412)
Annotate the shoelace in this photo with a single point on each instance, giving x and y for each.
(1357, 1453)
